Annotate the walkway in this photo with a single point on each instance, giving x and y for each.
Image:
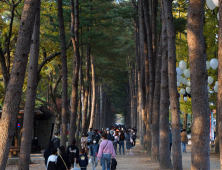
(139, 161)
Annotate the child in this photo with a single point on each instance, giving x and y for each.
(83, 160)
(93, 151)
(52, 160)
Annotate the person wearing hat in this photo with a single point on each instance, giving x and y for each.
(56, 141)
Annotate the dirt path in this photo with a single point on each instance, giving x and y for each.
(139, 161)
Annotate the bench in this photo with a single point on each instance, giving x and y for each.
(14, 152)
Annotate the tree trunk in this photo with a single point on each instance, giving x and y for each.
(96, 119)
(172, 77)
(84, 121)
(164, 145)
(75, 41)
(89, 106)
(154, 27)
(101, 106)
(219, 94)
(14, 88)
(156, 108)
(80, 103)
(201, 127)
(140, 81)
(3, 67)
(150, 75)
(64, 73)
(93, 93)
(28, 119)
(185, 121)
(55, 109)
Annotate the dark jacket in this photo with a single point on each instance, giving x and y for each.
(46, 155)
(73, 152)
(97, 137)
(113, 164)
(56, 142)
(35, 142)
(60, 163)
(109, 136)
(83, 160)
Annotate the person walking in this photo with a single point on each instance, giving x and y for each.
(106, 152)
(96, 136)
(121, 142)
(184, 140)
(129, 142)
(116, 139)
(170, 138)
(47, 153)
(73, 152)
(90, 134)
(84, 141)
(93, 152)
(109, 136)
(134, 138)
(52, 160)
(63, 162)
(56, 141)
(83, 160)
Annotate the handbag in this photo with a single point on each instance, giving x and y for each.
(63, 162)
(131, 140)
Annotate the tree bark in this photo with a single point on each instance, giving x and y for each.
(185, 120)
(201, 127)
(80, 102)
(219, 94)
(156, 108)
(101, 106)
(24, 156)
(84, 121)
(140, 72)
(3, 68)
(150, 75)
(14, 88)
(64, 73)
(164, 145)
(75, 41)
(154, 27)
(93, 93)
(174, 96)
(55, 108)
(89, 105)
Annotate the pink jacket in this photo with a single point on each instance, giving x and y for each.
(103, 148)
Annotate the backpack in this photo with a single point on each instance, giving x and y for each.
(51, 165)
(112, 138)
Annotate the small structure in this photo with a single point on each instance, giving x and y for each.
(42, 129)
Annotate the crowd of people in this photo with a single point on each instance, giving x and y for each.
(96, 146)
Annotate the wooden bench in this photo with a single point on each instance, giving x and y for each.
(14, 152)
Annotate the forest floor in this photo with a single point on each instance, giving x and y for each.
(138, 161)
